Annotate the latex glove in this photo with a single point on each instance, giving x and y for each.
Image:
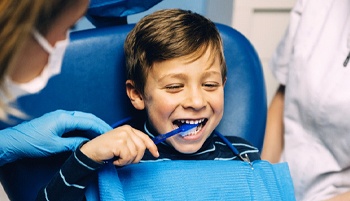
(42, 136)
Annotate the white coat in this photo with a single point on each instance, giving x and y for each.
(309, 62)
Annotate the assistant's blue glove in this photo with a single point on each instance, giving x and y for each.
(42, 136)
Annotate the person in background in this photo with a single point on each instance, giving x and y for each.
(33, 39)
(308, 119)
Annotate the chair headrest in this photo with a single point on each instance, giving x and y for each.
(103, 13)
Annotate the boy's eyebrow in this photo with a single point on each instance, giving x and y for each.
(211, 64)
(173, 75)
(210, 74)
(184, 76)
(207, 73)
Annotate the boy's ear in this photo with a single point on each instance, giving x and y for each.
(134, 95)
(224, 81)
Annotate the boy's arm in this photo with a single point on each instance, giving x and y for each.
(71, 180)
(273, 141)
(124, 145)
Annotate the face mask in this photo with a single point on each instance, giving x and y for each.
(52, 68)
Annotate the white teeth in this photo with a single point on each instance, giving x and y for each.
(191, 121)
(193, 131)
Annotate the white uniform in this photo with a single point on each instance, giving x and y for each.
(309, 62)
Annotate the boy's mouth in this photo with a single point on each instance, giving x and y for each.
(201, 123)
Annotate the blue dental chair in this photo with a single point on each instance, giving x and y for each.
(93, 80)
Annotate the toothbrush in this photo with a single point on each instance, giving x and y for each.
(182, 130)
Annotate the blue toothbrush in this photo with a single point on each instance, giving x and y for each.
(182, 130)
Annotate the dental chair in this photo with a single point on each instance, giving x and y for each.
(93, 80)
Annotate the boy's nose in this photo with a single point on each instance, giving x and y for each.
(195, 99)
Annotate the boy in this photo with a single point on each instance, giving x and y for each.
(176, 74)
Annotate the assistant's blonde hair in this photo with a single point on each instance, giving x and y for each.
(17, 20)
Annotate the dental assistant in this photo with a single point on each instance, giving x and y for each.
(308, 120)
(33, 39)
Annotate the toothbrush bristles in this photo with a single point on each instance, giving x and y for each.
(188, 129)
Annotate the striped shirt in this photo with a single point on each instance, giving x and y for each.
(79, 171)
(70, 182)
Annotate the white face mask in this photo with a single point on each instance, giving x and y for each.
(52, 68)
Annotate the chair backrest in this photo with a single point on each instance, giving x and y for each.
(93, 80)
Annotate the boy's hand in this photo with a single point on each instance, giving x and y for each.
(124, 143)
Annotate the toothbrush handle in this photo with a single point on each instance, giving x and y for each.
(160, 138)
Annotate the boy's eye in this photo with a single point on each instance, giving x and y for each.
(174, 87)
(211, 85)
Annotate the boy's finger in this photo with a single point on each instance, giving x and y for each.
(124, 157)
(149, 143)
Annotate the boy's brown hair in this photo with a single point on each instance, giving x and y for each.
(168, 34)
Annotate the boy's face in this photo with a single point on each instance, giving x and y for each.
(181, 89)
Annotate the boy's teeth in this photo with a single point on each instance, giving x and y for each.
(191, 121)
(194, 132)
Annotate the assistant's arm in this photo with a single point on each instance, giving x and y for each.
(42, 136)
(273, 141)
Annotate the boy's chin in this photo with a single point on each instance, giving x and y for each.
(187, 149)
(187, 146)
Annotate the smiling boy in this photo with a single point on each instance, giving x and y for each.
(177, 73)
